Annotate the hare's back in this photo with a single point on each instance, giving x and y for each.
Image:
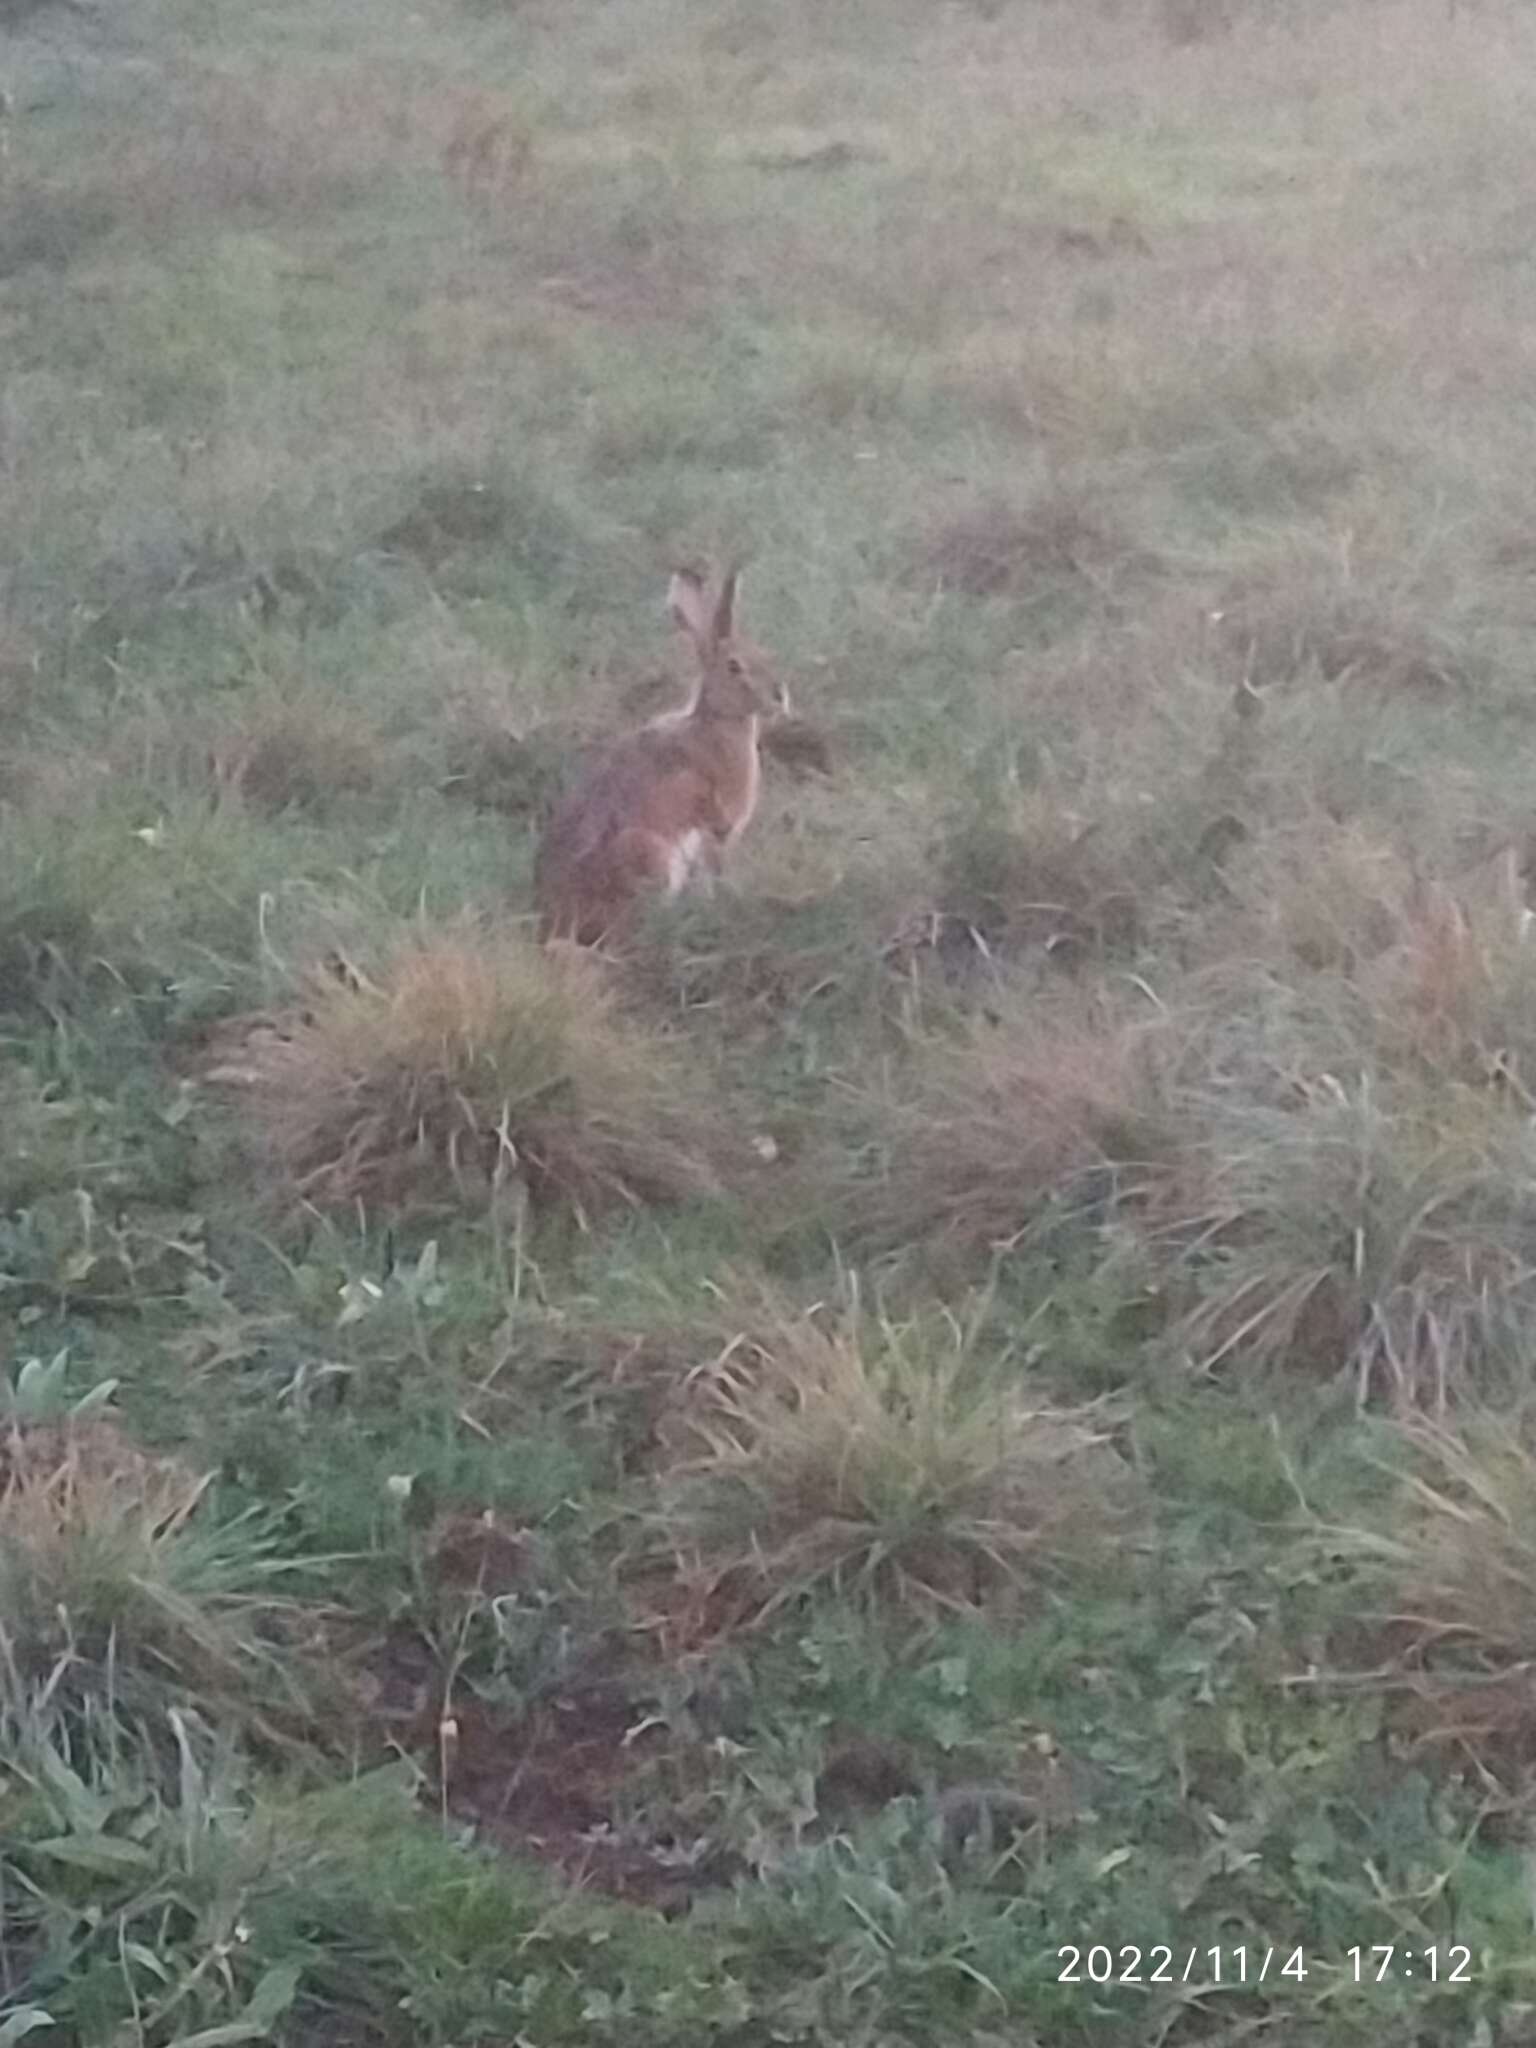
(646, 779)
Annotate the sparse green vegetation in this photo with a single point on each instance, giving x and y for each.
(966, 1397)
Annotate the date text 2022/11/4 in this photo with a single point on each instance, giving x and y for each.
(1239, 1963)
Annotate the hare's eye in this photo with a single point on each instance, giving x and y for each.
(736, 666)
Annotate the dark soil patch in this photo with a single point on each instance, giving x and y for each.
(551, 1785)
(517, 774)
(863, 1772)
(686, 1612)
(997, 548)
(481, 1554)
(830, 156)
(446, 517)
(798, 745)
(475, 527)
(1051, 887)
(640, 274)
(560, 1783)
(1119, 237)
(51, 229)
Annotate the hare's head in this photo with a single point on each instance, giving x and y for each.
(736, 679)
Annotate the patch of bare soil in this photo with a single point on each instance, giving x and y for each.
(519, 774)
(994, 547)
(559, 1783)
(551, 1786)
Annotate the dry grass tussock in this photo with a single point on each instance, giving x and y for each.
(1456, 1573)
(1372, 1227)
(1049, 1105)
(1316, 895)
(227, 143)
(490, 145)
(1023, 868)
(878, 1461)
(995, 547)
(1441, 968)
(1324, 615)
(1333, 1178)
(114, 1578)
(285, 749)
(1454, 991)
(468, 1059)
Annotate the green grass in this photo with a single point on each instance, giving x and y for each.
(968, 1399)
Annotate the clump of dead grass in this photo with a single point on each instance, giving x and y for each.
(1372, 1227)
(1317, 894)
(1440, 967)
(47, 229)
(490, 146)
(1042, 1106)
(879, 1462)
(1456, 1573)
(116, 1581)
(285, 749)
(1454, 992)
(468, 1060)
(1023, 869)
(517, 772)
(229, 144)
(997, 547)
(1307, 617)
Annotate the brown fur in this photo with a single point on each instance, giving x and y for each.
(666, 802)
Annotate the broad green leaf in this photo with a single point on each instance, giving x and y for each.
(105, 1853)
(269, 2001)
(26, 2021)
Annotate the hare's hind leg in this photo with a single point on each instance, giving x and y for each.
(573, 922)
(595, 903)
(708, 863)
(647, 859)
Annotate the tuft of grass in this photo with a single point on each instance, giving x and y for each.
(874, 1462)
(119, 1585)
(1044, 1105)
(1300, 617)
(49, 230)
(995, 547)
(286, 750)
(1023, 870)
(1456, 1572)
(1453, 994)
(1373, 1229)
(227, 145)
(1319, 896)
(469, 1060)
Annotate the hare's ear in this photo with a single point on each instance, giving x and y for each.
(686, 602)
(724, 622)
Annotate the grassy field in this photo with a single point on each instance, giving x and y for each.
(964, 1401)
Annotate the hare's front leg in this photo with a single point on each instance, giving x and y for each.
(688, 862)
(710, 865)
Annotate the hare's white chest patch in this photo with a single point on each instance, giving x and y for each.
(683, 859)
(749, 789)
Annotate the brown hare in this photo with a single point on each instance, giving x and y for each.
(662, 807)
